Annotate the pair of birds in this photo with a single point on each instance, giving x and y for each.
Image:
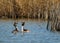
(22, 28)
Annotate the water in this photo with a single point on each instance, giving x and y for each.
(37, 34)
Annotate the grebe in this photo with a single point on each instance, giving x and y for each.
(16, 28)
(15, 24)
(22, 29)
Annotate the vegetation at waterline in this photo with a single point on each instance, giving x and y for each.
(29, 8)
(42, 9)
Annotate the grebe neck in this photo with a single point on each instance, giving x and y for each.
(22, 28)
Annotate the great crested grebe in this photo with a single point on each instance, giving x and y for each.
(15, 24)
(22, 29)
(16, 28)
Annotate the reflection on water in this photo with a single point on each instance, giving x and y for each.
(37, 34)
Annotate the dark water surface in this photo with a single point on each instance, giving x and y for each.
(37, 34)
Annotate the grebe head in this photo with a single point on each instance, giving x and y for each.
(23, 23)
